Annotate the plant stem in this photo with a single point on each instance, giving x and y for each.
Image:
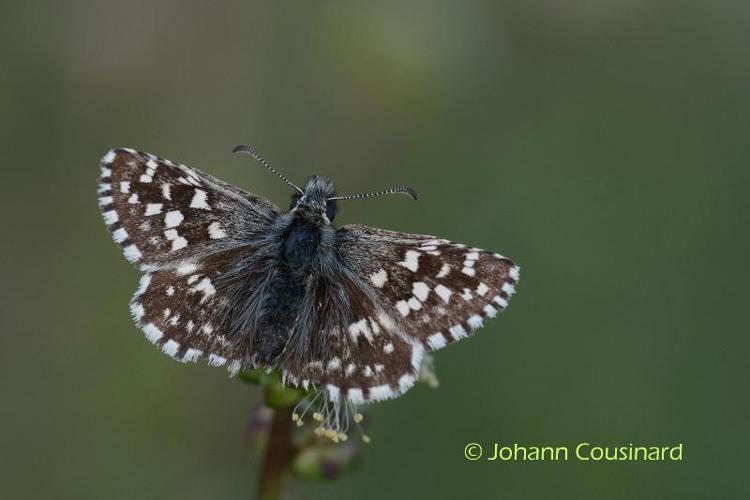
(278, 453)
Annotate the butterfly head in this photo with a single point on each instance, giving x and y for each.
(315, 201)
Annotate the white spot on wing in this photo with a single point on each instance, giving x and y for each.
(403, 307)
(490, 311)
(137, 311)
(215, 232)
(475, 321)
(514, 272)
(132, 253)
(119, 235)
(417, 353)
(216, 360)
(444, 293)
(173, 218)
(143, 284)
(379, 278)
(109, 157)
(192, 355)
(380, 392)
(355, 396)
(444, 270)
(375, 326)
(110, 217)
(206, 287)
(153, 334)
(420, 290)
(458, 332)
(333, 393)
(436, 341)
(411, 261)
(482, 289)
(405, 382)
(360, 328)
(153, 209)
(199, 200)
(178, 242)
(234, 367)
(386, 321)
(186, 268)
(500, 301)
(170, 347)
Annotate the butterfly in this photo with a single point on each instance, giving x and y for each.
(230, 277)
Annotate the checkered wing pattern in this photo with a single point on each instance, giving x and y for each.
(186, 230)
(405, 294)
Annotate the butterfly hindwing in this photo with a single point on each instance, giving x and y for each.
(181, 312)
(355, 349)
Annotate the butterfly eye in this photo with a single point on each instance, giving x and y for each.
(331, 210)
(295, 200)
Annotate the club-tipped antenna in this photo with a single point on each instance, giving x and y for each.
(244, 148)
(396, 190)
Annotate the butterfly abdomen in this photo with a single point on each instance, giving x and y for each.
(300, 244)
(278, 313)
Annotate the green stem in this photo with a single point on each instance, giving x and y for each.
(278, 453)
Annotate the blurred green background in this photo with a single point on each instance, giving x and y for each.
(602, 145)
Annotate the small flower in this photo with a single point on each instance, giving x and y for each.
(325, 461)
(259, 426)
(427, 373)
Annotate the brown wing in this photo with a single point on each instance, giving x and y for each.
(402, 294)
(161, 212)
(189, 232)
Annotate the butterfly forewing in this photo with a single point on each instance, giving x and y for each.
(162, 213)
(437, 291)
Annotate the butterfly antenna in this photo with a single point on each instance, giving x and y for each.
(243, 148)
(396, 190)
